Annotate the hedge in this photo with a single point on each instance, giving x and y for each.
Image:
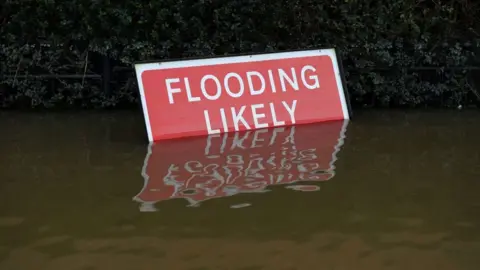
(395, 52)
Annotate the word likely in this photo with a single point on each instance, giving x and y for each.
(261, 138)
(237, 116)
(256, 86)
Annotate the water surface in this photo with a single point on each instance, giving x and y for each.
(388, 190)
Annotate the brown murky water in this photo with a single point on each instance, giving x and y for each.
(388, 190)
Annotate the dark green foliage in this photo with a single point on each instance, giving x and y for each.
(385, 45)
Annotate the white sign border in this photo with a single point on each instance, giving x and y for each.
(186, 63)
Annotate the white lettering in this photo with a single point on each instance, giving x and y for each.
(291, 110)
(257, 116)
(189, 91)
(284, 77)
(316, 82)
(274, 116)
(272, 81)
(257, 83)
(254, 91)
(238, 117)
(204, 90)
(209, 125)
(227, 87)
(224, 120)
(171, 90)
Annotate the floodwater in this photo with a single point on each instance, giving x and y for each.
(387, 190)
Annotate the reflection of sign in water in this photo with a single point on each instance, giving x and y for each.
(203, 168)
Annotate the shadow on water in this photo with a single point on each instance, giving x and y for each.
(404, 195)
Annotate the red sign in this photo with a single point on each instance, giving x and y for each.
(204, 168)
(216, 95)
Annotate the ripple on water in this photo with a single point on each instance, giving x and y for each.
(10, 221)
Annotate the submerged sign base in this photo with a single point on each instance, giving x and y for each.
(228, 94)
(204, 168)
